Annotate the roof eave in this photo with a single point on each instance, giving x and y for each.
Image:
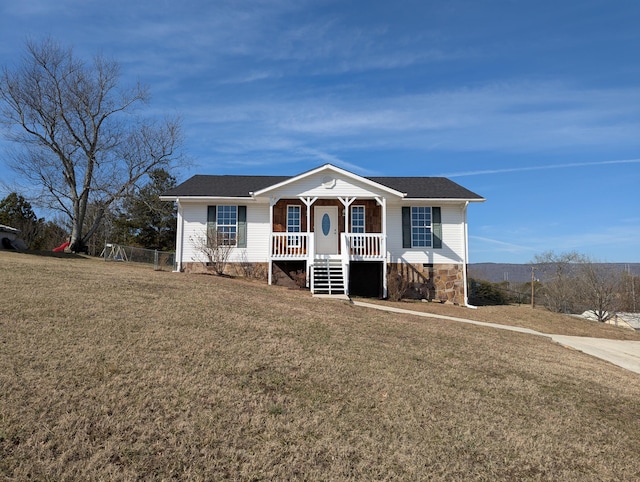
(446, 199)
(207, 198)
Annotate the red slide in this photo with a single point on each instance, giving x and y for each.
(61, 248)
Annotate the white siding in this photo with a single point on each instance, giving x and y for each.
(452, 237)
(195, 221)
(194, 217)
(258, 232)
(312, 186)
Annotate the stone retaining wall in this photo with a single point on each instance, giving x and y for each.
(438, 282)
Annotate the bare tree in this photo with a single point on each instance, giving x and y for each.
(630, 296)
(77, 133)
(574, 283)
(598, 289)
(559, 271)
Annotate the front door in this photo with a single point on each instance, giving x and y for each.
(326, 229)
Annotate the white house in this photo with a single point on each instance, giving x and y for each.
(343, 232)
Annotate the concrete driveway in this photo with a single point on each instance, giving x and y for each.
(623, 353)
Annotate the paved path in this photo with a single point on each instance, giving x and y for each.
(624, 353)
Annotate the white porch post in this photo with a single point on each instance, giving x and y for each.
(308, 202)
(346, 202)
(272, 202)
(383, 203)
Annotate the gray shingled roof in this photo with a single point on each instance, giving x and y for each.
(427, 187)
(223, 186)
(241, 186)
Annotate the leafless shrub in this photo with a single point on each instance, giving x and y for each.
(251, 270)
(397, 285)
(212, 250)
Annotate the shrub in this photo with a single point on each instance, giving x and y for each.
(397, 286)
(486, 293)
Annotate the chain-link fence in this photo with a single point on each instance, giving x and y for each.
(161, 260)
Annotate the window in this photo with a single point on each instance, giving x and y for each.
(293, 224)
(357, 219)
(421, 227)
(293, 219)
(227, 224)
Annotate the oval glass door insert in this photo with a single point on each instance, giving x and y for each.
(326, 224)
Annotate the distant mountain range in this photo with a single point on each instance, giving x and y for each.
(521, 273)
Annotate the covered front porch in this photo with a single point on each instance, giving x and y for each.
(328, 235)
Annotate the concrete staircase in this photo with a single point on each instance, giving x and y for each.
(328, 278)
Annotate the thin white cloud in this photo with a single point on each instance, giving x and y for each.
(519, 118)
(335, 160)
(503, 245)
(455, 120)
(538, 168)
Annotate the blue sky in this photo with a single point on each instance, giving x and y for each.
(533, 105)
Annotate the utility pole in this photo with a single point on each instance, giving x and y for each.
(533, 289)
(633, 293)
(633, 287)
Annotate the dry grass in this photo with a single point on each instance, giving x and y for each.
(116, 372)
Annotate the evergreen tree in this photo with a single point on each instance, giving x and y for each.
(145, 220)
(16, 212)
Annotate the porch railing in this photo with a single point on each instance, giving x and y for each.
(354, 246)
(365, 245)
(291, 245)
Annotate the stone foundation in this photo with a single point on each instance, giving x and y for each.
(439, 282)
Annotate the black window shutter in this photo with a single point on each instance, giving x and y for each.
(212, 222)
(211, 218)
(242, 227)
(436, 226)
(406, 227)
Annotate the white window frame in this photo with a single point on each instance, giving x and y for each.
(227, 231)
(418, 224)
(294, 240)
(364, 219)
